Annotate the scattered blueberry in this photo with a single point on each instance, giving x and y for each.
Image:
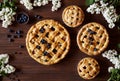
(38, 16)
(43, 41)
(10, 30)
(19, 32)
(9, 36)
(14, 36)
(19, 36)
(11, 40)
(21, 46)
(15, 52)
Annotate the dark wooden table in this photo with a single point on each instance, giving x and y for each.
(29, 70)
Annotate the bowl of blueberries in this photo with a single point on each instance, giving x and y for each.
(22, 18)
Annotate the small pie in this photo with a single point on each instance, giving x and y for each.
(92, 38)
(88, 68)
(47, 42)
(73, 16)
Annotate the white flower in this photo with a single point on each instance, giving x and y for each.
(94, 8)
(114, 57)
(56, 4)
(109, 69)
(4, 58)
(7, 16)
(108, 12)
(9, 69)
(27, 4)
(4, 66)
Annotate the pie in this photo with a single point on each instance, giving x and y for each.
(47, 42)
(88, 68)
(92, 38)
(73, 16)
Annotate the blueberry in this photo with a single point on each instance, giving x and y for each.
(36, 36)
(19, 32)
(91, 38)
(38, 47)
(45, 53)
(54, 51)
(21, 46)
(14, 36)
(20, 18)
(90, 42)
(11, 40)
(42, 30)
(85, 36)
(95, 49)
(47, 34)
(38, 16)
(10, 30)
(52, 28)
(8, 36)
(19, 36)
(48, 45)
(98, 42)
(43, 41)
(91, 32)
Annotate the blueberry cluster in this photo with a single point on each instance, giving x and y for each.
(22, 18)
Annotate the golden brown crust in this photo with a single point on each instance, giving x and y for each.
(92, 38)
(73, 16)
(88, 68)
(47, 42)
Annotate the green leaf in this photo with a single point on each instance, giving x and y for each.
(89, 2)
(3, 73)
(105, 1)
(115, 75)
(11, 4)
(119, 45)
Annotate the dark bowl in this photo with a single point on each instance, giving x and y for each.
(22, 18)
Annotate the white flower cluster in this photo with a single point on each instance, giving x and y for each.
(4, 66)
(7, 16)
(29, 5)
(114, 57)
(56, 4)
(108, 12)
(40, 2)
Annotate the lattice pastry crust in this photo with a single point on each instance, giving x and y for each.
(47, 42)
(88, 68)
(92, 39)
(73, 16)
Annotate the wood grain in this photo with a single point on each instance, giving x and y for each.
(66, 70)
